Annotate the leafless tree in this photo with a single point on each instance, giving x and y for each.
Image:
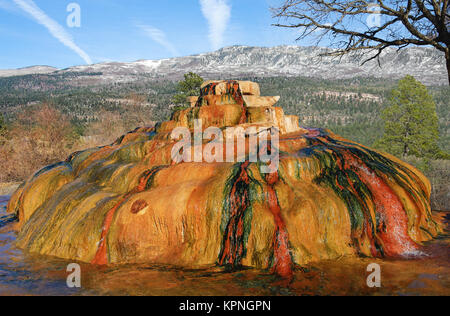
(368, 28)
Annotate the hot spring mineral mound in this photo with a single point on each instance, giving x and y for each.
(129, 203)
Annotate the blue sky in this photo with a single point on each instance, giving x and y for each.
(35, 32)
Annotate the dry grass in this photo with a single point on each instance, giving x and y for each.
(104, 131)
(42, 135)
(39, 137)
(438, 172)
(8, 188)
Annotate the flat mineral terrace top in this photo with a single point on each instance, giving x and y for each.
(255, 109)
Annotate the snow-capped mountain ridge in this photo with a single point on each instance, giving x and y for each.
(27, 71)
(426, 64)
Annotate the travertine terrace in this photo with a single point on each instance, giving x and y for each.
(129, 203)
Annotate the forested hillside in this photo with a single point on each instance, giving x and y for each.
(349, 107)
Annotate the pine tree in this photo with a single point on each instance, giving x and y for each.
(2, 127)
(411, 126)
(190, 86)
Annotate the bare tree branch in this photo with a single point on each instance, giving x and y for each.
(346, 23)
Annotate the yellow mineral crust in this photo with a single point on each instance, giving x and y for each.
(130, 203)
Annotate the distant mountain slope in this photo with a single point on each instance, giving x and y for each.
(426, 64)
(27, 71)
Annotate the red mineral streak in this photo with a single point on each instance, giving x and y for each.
(367, 228)
(101, 257)
(393, 223)
(234, 89)
(233, 250)
(313, 133)
(239, 100)
(282, 265)
(208, 90)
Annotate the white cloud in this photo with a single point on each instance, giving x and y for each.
(52, 26)
(218, 14)
(160, 37)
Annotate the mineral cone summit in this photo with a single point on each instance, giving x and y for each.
(129, 202)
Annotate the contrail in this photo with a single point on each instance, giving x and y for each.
(52, 26)
(218, 14)
(160, 37)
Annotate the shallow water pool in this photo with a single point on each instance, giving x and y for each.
(26, 274)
